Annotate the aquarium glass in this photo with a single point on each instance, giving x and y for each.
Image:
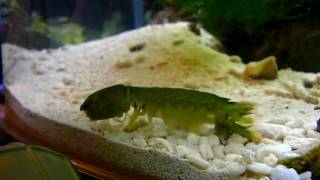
(170, 71)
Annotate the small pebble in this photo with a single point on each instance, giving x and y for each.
(296, 123)
(235, 168)
(198, 162)
(297, 132)
(259, 168)
(157, 129)
(234, 158)
(38, 69)
(298, 143)
(235, 59)
(253, 146)
(213, 140)
(310, 126)
(218, 151)
(217, 166)
(195, 152)
(182, 151)
(236, 138)
(277, 150)
(282, 119)
(235, 72)
(264, 178)
(193, 139)
(270, 160)
(68, 81)
(139, 59)
(190, 85)
(289, 155)
(269, 141)
(205, 149)
(234, 148)
(305, 175)
(161, 142)
(139, 142)
(108, 125)
(313, 134)
(248, 156)
(75, 101)
(272, 131)
(123, 64)
(284, 174)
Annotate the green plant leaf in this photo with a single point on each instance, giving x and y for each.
(19, 161)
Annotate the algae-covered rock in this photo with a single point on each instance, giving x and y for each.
(309, 160)
(265, 69)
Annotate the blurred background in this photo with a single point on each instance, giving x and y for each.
(287, 29)
(51, 23)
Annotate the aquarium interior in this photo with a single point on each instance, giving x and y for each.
(289, 30)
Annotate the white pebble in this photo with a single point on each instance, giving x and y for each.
(139, 142)
(248, 156)
(305, 175)
(68, 81)
(235, 59)
(269, 141)
(217, 166)
(182, 151)
(235, 168)
(253, 146)
(270, 160)
(176, 139)
(193, 139)
(313, 134)
(107, 125)
(296, 123)
(163, 143)
(281, 166)
(234, 158)
(194, 151)
(297, 90)
(277, 150)
(103, 125)
(231, 168)
(218, 163)
(264, 178)
(310, 126)
(204, 140)
(272, 131)
(218, 151)
(205, 149)
(298, 143)
(282, 120)
(260, 168)
(297, 132)
(278, 92)
(125, 63)
(234, 148)
(60, 68)
(198, 162)
(284, 174)
(38, 69)
(236, 138)
(158, 129)
(213, 140)
(289, 155)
